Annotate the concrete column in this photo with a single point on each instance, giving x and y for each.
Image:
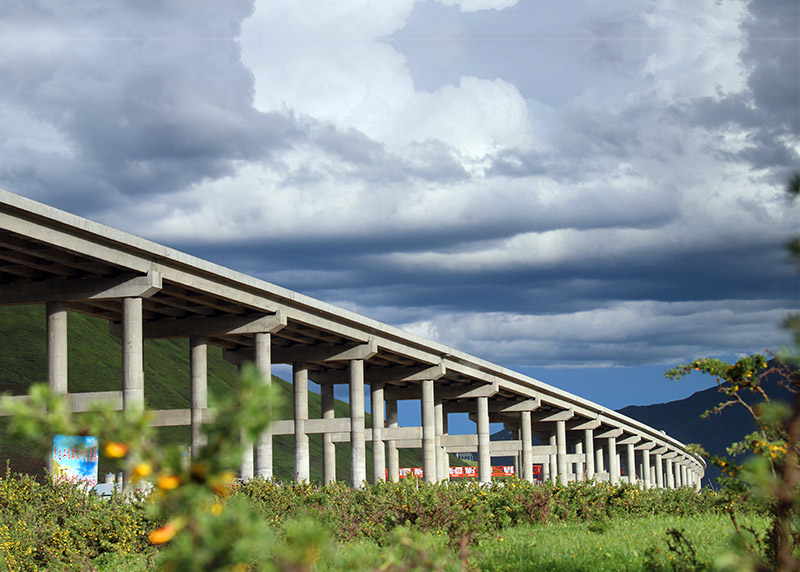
(554, 458)
(670, 475)
(328, 446)
(442, 460)
(393, 455)
(527, 445)
(484, 446)
(246, 467)
(601, 465)
(646, 468)
(588, 445)
(445, 454)
(561, 451)
(358, 446)
(198, 364)
(132, 355)
(378, 447)
(263, 449)
(631, 463)
(659, 471)
(56, 326)
(302, 466)
(580, 470)
(613, 461)
(428, 432)
(57, 347)
(683, 475)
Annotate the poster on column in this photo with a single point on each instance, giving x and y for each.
(75, 459)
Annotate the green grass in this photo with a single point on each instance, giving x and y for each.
(619, 545)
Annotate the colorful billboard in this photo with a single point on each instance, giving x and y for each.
(75, 459)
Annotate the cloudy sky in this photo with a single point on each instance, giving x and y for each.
(587, 192)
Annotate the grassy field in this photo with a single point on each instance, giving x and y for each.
(630, 545)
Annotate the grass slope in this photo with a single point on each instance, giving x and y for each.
(95, 364)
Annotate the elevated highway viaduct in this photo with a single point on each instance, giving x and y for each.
(146, 290)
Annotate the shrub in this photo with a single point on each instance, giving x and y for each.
(60, 525)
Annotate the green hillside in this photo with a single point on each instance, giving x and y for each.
(95, 364)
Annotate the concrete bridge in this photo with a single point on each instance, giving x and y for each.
(146, 290)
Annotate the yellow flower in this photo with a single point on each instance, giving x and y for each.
(114, 450)
(216, 508)
(168, 482)
(163, 534)
(222, 483)
(141, 471)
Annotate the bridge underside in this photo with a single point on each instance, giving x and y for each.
(145, 290)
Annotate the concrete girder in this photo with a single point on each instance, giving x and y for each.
(217, 326)
(387, 374)
(82, 289)
(325, 353)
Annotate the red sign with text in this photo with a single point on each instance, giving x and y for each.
(461, 472)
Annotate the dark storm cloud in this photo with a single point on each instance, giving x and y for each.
(148, 102)
(770, 110)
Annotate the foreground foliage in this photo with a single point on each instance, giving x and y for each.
(58, 526)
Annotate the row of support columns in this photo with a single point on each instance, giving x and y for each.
(658, 467)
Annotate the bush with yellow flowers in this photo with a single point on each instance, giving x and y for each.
(60, 525)
(188, 514)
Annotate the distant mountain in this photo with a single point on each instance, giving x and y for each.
(683, 420)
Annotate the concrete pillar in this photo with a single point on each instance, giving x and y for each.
(132, 355)
(445, 454)
(263, 449)
(683, 475)
(484, 446)
(328, 446)
(601, 464)
(561, 451)
(580, 470)
(613, 461)
(57, 347)
(198, 365)
(378, 447)
(659, 471)
(302, 463)
(554, 458)
(428, 432)
(588, 445)
(646, 468)
(670, 475)
(442, 459)
(631, 463)
(527, 446)
(393, 455)
(56, 326)
(246, 467)
(358, 446)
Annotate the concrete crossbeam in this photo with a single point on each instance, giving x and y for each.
(481, 391)
(325, 353)
(219, 326)
(386, 374)
(82, 289)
